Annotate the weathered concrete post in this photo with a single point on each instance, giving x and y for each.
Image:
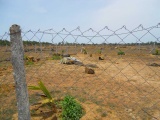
(19, 73)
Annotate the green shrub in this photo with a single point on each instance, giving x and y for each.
(56, 57)
(99, 51)
(156, 52)
(120, 52)
(71, 109)
(84, 51)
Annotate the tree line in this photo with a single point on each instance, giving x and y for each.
(6, 42)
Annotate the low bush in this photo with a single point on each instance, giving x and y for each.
(120, 52)
(56, 57)
(156, 52)
(84, 51)
(99, 51)
(71, 109)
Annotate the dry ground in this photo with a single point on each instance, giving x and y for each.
(122, 88)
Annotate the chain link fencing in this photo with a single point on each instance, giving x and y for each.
(113, 74)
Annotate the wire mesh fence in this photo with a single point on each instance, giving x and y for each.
(113, 74)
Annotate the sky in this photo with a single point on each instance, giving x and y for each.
(69, 14)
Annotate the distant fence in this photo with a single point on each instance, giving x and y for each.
(114, 74)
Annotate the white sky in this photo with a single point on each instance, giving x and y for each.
(128, 12)
(69, 14)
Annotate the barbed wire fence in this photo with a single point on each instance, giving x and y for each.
(113, 74)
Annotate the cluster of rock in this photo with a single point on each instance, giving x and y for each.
(71, 60)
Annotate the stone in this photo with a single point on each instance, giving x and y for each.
(38, 59)
(101, 58)
(78, 63)
(89, 70)
(154, 64)
(66, 55)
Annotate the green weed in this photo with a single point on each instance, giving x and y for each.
(29, 63)
(99, 51)
(84, 51)
(156, 52)
(56, 57)
(120, 52)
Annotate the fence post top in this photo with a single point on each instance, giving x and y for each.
(15, 28)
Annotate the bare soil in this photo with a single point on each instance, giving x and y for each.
(122, 88)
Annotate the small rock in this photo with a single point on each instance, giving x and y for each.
(129, 110)
(101, 58)
(66, 55)
(78, 63)
(154, 64)
(89, 70)
(38, 59)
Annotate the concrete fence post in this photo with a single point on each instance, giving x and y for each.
(19, 73)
